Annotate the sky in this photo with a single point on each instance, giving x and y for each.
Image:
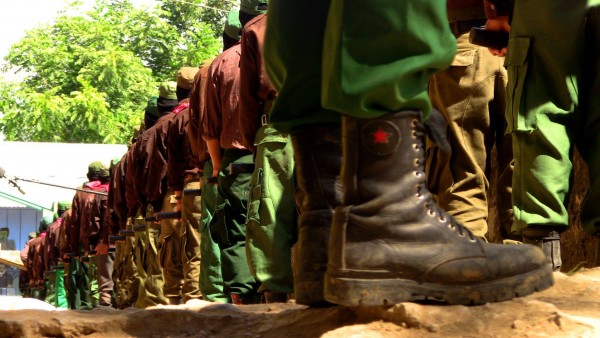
(18, 16)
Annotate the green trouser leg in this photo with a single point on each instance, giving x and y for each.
(545, 66)
(131, 276)
(140, 257)
(92, 275)
(229, 224)
(211, 279)
(61, 294)
(190, 242)
(73, 294)
(50, 282)
(355, 74)
(271, 220)
(154, 276)
(169, 252)
(79, 285)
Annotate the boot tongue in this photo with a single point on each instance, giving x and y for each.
(437, 129)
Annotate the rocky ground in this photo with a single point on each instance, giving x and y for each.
(571, 308)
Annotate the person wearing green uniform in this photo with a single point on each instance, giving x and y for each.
(553, 63)
(271, 220)
(367, 65)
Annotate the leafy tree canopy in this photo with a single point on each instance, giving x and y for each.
(87, 77)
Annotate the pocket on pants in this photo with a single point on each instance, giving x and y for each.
(516, 62)
(254, 200)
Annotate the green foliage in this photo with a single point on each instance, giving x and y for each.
(87, 77)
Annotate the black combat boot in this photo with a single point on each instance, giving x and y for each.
(318, 157)
(549, 241)
(391, 243)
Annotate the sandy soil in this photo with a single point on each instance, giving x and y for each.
(571, 308)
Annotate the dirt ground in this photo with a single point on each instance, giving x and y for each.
(571, 308)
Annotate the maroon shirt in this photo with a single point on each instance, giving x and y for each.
(222, 101)
(256, 90)
(181, 160)
(194, 129)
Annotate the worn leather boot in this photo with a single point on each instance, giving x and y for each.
(548, 241)
(318, 157)
(391, 243)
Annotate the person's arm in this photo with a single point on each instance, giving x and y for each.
(214, 149)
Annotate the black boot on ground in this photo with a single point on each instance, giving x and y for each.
(548, 241)
(391, 243)
(318, 157)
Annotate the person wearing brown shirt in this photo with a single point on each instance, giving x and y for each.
(268, 239)
(232, 163)
(182, 178)
(211, 279)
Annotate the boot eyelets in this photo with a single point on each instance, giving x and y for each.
(417, 173)
(414, 122)
(442, 219)
(451, 226)
(431, 212)
(415, 147)
(417, 163)
(414, 134)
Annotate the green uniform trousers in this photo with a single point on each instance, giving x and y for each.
(211, 279)
(170, 248)
(92, 273)
(271, 220)
(61, 292)
(552, 104)
(229, 224)
(151, 290)
(471, 95)
(105, 269)
(190, 241)
(78, 289)
(361, 58)
(131, 276)
(119, 277)
(50, 285)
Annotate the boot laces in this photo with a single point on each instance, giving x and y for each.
(424, 193)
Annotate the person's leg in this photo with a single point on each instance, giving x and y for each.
(139, 257)
(154, 275)
(389, 241)
(190, 241)
(543, 95)
(271, 221)
(170, 252)
(105, 266)
(211, 279)
(317, 150)
(230, 226)
(92, 276)
(470, 94)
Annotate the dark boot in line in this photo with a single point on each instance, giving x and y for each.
(318, 157)
(391, 243)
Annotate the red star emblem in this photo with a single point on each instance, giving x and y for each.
(380, 136)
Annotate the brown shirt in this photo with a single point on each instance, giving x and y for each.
(130, 175)
(181, 160)
(79, 234)
(63, 243)
(194, 130)
(52, 253)
(155, 149)
(256, 90)
(222, 101)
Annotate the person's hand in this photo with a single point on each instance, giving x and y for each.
(499, 24)
(101, 249)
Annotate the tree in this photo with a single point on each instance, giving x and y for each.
(88, 75)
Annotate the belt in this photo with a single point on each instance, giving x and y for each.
(462, 26)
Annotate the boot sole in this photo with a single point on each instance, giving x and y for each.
(387, 292)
